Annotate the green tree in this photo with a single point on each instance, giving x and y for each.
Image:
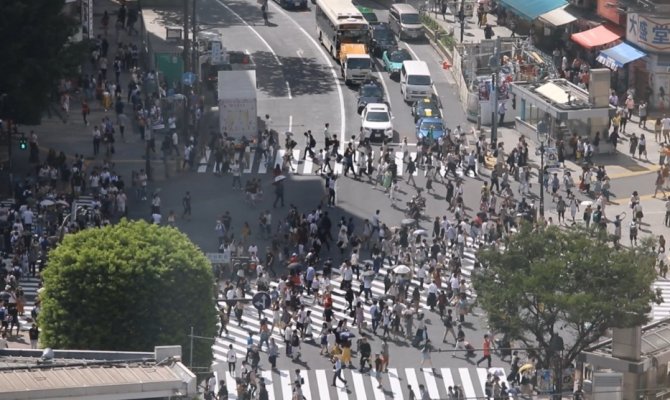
(130, 286)
(35, 55)
(566, 282)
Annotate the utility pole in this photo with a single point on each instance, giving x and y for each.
(495, 64)
(186, 68)
(190, 360)
(461, 17)
(194, 40)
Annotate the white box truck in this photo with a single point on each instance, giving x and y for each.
(238, 115)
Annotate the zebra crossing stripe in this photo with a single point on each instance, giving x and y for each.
(267, 377)
(482, 377)
(308, 166)
(412, 381)
(232, 386)
(447, 378)
(431, 384)
(202, 165)
(399, 162)
(359, 385)
(416, 170)
(376, 390)
(322, 384)
(250, 164)
(285, 383)
(263, 164)
(306, 392)
(466, 382)
(294, 160)
(396, 387)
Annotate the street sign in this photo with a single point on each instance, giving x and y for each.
(261, 301)
(188, 78)
(218, 258)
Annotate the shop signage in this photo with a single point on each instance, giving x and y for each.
(648, 33)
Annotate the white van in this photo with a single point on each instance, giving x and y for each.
(405, 21)
(415, 81)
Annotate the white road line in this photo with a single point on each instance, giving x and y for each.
(386, 89)
(431, 384)
(288, 88)
(300, 53)
(202, 165)
(252, 29)
(396, 387)
(322, 384)
(466, 383)
(447, 378)
(252, 155)
(290, 121)
(306, 390)
(285, 383)
(412, 381)
(359, 385)
(376, 390)
(398, 162)
(267, 376)
(294, 159)
(413, 156)
(333, 70)
(308, 165)
(232, 386)
(482, 372)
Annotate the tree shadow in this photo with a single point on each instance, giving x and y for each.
(305, 75)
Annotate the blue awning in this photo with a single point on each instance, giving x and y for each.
(532, 9)
(619, 55)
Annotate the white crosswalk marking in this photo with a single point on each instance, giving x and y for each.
(338, 168)
(364, 386)
(202, 165)
(279, 158)
(263, 165)
(285, 382)
(399, 162)
(468, 387)
(322, 384)
(660, 311)
(232, 384)
(359, 385)
(267, 376)
(410, 374)
(447, 378)
(308, 166)
(431, 384)
(250, 165)
(394, 381)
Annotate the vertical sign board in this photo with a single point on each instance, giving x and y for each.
(648, 32)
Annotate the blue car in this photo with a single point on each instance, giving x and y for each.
(430, 128)
(392, 60)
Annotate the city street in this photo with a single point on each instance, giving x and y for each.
(300, 88)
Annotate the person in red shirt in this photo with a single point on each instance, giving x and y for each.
(487, 351)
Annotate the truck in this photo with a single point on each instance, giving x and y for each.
(238, 115)
(355, 63)
(214, 57)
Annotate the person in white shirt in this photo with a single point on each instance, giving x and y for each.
(156, 218)
(231, 356)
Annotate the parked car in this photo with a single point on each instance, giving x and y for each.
(427, 107)
(381, 39)
(393, 59)
(430, 128)
(369, 92)
(377, 122)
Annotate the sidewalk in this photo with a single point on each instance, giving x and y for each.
(72, 136)
(471, 33)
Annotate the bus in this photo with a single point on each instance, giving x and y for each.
(339, 21)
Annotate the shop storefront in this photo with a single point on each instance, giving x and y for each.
(650, 76)
(620, 58)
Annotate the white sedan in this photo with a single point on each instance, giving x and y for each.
(377, 122)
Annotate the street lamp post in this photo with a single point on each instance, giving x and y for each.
(542, 136)
(461, 17)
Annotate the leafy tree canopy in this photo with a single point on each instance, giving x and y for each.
(35, 55)
(565, 282)
(130, 286)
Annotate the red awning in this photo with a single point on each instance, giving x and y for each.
(598, 36)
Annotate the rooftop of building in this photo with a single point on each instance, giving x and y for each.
(560, 93)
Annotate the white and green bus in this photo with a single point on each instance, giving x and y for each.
(338, 22)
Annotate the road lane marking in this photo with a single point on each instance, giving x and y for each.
(288, 88)
(410, 374)
(447, 378)
(396, 387)
(333, 70)
(290, 122)
(286, 385)
(466, 383)
(300, 53)
(431, 384)
(267, 376)
(252, 29)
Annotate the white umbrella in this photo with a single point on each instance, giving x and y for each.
(586, 203)
(401, 269)
(279, 178)
(419, 232)
(368, 273)
(47, 203)
(63, 203)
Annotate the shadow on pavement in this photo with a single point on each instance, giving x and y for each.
(305, 75)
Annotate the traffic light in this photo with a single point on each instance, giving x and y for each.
(23, 143)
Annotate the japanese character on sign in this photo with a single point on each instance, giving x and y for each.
(661, 34)
(632, 23)
(643, 31)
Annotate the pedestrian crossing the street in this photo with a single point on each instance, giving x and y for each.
(251, 323)
(259, 164)
(396, 383)
(30, 287)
